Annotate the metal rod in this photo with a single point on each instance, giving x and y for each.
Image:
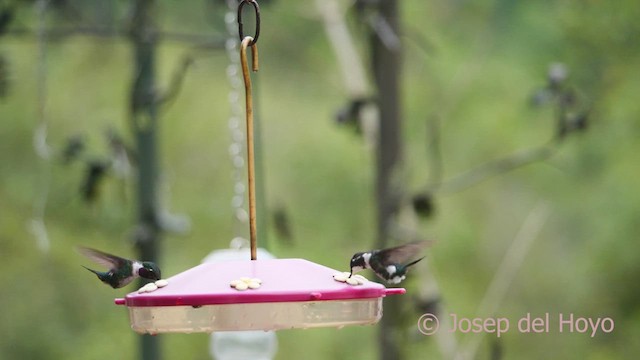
(246, 42)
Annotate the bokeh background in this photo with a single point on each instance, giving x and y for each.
(475, 87)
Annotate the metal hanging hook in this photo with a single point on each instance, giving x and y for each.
(256, 9)
(246, 42)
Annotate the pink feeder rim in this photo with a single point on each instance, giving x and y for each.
(283, 280)
(294, 293)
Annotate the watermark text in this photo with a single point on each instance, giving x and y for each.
(429, 324)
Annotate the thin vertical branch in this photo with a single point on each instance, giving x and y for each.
(37, 225)
(351, 66)
(506, 272)
(434, 151)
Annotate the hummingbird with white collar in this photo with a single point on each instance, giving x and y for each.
(121, 271)
(389, 264)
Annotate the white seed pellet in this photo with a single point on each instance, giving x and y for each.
(147, 288)
(242, 286)
(340, 277)
(353, 281)
(361, 278)
(161, 283)
(245, 283)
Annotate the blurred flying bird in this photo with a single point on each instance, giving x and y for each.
(121, 271)
(6, 16)
(281, 225)
(423, 204)
(95, 172)
(389, 264)
(350, 113)
(73, 148)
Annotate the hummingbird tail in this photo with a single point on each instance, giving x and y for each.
(414, 262)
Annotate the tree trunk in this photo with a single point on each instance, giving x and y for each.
(144, 123)
(386, 58)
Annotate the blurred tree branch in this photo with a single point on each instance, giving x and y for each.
(506, 272)
(495, 168)
(570, 118)
(175, 85)
(62, 33)
(360, 109)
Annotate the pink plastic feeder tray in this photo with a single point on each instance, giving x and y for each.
(294, 293)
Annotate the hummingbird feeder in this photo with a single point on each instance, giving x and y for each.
(268, 294)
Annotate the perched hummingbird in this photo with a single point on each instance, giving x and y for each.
(121, 271)
(388, 264)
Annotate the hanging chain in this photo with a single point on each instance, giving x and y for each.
(256, 9)
(236, 149)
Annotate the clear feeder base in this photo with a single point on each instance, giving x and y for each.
(255, 316)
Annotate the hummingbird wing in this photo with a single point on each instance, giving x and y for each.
(403, 253)
(102, 258)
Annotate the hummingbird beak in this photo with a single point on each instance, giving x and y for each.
(351, 273)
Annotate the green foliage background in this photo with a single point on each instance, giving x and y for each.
(484, 60)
